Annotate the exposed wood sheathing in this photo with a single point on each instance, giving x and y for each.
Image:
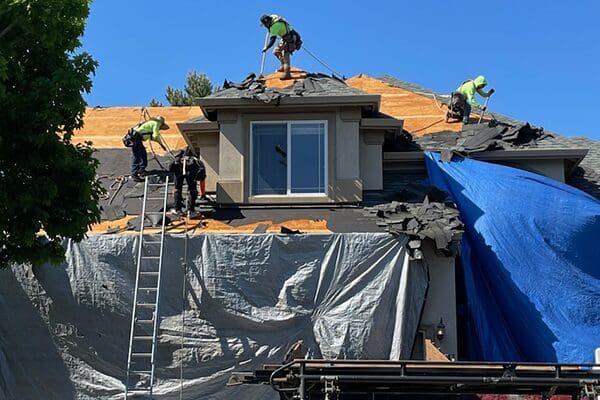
(105, 127)
(420, 113)
(432, 353)
(273, 80)
(201, 226)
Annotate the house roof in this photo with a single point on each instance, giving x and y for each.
(105, 126)
(305, 89)
(420, 109)
(420, 113)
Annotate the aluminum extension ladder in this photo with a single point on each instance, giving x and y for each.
(141, 358)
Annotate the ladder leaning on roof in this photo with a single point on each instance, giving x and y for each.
(144, 319)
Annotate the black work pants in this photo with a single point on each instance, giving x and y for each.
(192, 192)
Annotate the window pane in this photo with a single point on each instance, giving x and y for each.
(269, 159)
(308, 157)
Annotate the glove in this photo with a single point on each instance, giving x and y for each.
(492, 91)
(483, 108)
(264, 50)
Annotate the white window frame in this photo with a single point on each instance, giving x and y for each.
(289, 159)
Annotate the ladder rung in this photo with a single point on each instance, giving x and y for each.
(155, 198)
(143, 337)
(160, 184)
(144, 321)
(141, 372)
(148, 273)
(148, 288)
(154, 213)
(152, 242)
(139, 390)
(141, 354)
(146, 304)
(150, 257)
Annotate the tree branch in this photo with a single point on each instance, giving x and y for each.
(7, 29)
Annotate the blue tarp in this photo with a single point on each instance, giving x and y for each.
(531, 262)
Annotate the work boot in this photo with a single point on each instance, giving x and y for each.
(280, 69)
(137, 178)
(176, 211)
(286, 72)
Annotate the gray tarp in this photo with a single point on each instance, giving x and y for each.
(64, 330)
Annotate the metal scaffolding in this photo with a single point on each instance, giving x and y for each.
(345, 379)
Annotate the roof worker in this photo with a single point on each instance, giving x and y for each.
(288, 43)
(187, 167)
(147, 130)
(468, 89)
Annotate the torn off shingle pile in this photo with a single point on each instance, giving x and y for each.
(435, 218)
(254, 88)
(488, 137)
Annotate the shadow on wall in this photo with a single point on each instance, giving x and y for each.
(586, 180)
(34, 369)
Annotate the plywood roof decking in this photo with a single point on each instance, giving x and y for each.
(105, 127)
(273, 80)
(212, 226)
(420, 113)
(432, 353)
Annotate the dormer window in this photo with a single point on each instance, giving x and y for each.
(288, 158)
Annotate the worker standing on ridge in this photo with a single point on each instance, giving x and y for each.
(288, 43)
(468, 89)
(187, 167)
(147, 130)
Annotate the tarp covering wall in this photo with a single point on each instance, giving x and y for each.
(64, 330)
(531, 262)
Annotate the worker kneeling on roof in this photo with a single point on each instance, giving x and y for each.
(188, 167)
(147, 130)
(288, 43)
(467, 91)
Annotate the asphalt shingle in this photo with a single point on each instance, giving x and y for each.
(587, 175)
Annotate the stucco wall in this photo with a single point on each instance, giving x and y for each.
(344, 183)
(441, 300)
(371, 159)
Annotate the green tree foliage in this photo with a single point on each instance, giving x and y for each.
(155, 103)
(196, 86)
(46, 182)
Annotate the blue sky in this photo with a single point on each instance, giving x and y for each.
(542, 57)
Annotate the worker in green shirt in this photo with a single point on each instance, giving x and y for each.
(288, 43)
(148, 130)
(468, 89)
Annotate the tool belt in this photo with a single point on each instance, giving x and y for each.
(292, 41)
(131, 137)
(457, 101)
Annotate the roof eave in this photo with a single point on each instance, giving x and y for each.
(574, 155)
(370, 101)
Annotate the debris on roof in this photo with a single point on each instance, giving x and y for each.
(484, 137)
(435, 218)
(255, 88)
(124, 200)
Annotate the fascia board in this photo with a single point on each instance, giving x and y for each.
(362, 100)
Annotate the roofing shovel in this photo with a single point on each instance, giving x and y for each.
(484, 108)
(264, 55)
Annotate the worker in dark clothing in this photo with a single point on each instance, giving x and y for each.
(288, 43)
(467, 91)
(187, 167)
(147, 130)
